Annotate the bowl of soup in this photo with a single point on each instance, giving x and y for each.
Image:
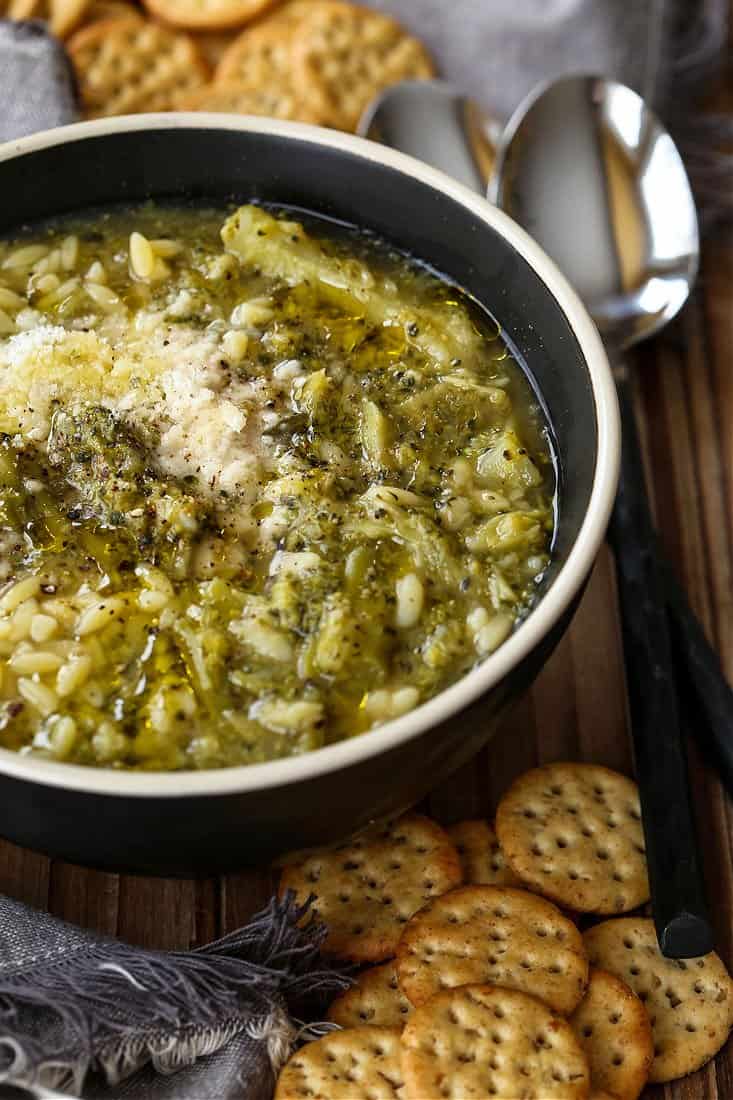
(305, 456)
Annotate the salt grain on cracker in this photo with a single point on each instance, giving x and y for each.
(375, 998)
(613, 1029)
(484, 1041)
(573, 832)
(368, 888)
(493, 934)
(362, 1063)
(689, 1001)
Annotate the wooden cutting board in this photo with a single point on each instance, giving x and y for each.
(577, 709)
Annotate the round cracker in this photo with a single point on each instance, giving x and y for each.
(375, 998)
(367, 888)
(204, 15)
(689, 1001)
(613, 1029)
(262, 51)
(128, 65)
(481, 856)
(261, 60)
(354, 53)
(362, 1063)
(270, 99)
(482, 1041)
(493, 934)
(573, 832)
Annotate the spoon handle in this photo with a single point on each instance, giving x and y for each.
(678, 897)
(705, 692)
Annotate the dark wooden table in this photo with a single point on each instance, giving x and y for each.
(577, 709)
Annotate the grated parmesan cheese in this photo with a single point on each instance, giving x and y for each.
(165, 379)
(212, 434)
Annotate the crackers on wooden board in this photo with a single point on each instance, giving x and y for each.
(613, 1028)
(374, 998)
(484, 1041)
(482, 858)
(497, 935)
(486, 987)
(368, 888)
(573, 833)
(689, 1001)
(361, 1063)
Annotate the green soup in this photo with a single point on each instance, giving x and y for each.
(264, 485)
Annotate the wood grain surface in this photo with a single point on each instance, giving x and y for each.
(576, 710)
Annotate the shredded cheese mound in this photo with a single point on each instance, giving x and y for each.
(167, 379)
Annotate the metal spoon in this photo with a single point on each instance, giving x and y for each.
(587, 168)
(433, 121)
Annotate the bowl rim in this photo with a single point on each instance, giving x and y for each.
(239, 779)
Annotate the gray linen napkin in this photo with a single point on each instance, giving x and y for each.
(81, 1013)
(219, 1016)
(36, 82)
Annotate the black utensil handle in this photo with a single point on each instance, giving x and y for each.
(678, 899)
(706, 692)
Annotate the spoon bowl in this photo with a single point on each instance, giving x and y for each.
(586, 166)
(432, 120)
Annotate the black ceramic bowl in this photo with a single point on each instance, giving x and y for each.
(207, 821)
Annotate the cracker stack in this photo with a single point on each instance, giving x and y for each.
(319, 61)
(480, 985)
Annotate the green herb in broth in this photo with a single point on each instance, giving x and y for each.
(263, 486)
